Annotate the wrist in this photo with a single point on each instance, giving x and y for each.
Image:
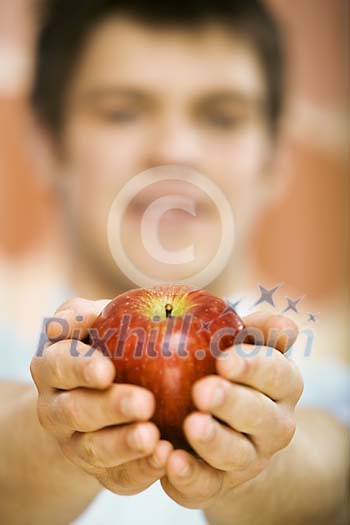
(239, 502)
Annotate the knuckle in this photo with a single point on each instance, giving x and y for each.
(55, 370)
(256, 416)
(297, 381)
(56, 355)
(270, 353)
(58, 360)
(70, 410)
(33, 366)
(122, 480)
(288, 431)
(78, 369)
(44, 416)
(56, 374)
(47, 417)
(250, 365)
(246, 366)
(82, 305)
(274, 375)
(239, 462)
(65, 348)
(68, 450)
(200, 493)
(70, 304)
(253, 364)
(34, 370)
(88, 449)
(83, 369)
(114, 486)
(299, 389)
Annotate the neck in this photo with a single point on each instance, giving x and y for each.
(93, 283)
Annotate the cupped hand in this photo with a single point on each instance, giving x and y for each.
(100, 426)
(245, 415)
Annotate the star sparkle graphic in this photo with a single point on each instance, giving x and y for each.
(312, 317)
(205, 326)
(266, 295)
(292, 304)
(231, 307)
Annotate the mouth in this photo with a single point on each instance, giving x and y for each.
(171, 217)
(172, 208)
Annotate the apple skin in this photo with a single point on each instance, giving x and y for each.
(163, 339)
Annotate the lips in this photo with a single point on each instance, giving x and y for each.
(199, 209)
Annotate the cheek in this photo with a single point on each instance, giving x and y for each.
(102, 156)
(249, 158)
(240, 165)
(241, 161)
(99, 162)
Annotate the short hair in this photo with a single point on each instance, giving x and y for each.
(66, 25)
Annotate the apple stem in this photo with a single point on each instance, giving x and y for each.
(168, 310)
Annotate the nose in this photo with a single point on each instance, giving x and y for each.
(173, 141)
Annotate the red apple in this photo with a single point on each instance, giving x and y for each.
(164, 339)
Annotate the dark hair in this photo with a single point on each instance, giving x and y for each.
(66, 24)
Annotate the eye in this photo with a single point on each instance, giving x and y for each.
(120, 116)
(223, 121)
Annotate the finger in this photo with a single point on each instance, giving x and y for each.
(245, 410)
(275, 330)
(220, 446)
(73, 319)
(190, 482)
(65, 366)
(111, 447)
(266, 370)
(135, 476)
(86, 410)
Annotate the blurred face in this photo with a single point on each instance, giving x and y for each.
(143, 97)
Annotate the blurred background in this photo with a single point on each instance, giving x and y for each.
(302, 238)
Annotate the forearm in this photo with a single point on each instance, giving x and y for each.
(38, 485)
(305, 483)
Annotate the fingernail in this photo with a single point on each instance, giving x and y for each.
(185, 471)
(155, 462)
(218, 396)
(136, 440)
(224, 355)
(63, 313)
(94, 371)
(207, 433)
(55, 326)
(127, 406)
(237, 365)
(89, 373)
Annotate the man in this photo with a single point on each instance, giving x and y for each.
(123, 87)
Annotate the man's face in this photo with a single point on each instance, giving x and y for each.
(143, 97)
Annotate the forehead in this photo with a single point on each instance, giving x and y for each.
(121, 51)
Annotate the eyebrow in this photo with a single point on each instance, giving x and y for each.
(210, 95)
(100, 93)
(232, 96)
